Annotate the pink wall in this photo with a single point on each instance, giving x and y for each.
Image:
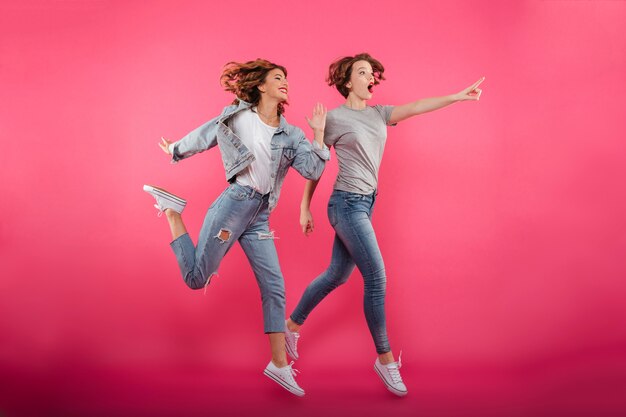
(502, 222)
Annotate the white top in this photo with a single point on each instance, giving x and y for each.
(257, 136)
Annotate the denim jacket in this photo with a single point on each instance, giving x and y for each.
(289, 145)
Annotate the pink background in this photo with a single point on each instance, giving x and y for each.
(502, 222)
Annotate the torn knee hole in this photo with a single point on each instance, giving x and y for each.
(223, 235)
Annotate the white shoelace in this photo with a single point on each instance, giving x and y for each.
(294, 372)
(394, 371)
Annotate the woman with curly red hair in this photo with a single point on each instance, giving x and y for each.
(257, 146)
(358, 132)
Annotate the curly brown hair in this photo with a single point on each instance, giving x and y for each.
(339, 71)
(243, 79)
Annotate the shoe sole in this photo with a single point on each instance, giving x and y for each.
(280, 382)
(165, 194)
(389, 387)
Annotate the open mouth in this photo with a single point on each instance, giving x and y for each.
(370, 88)
(283, 89)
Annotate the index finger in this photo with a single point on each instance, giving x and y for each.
(477, 83)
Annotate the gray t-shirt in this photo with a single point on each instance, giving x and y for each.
(359, 138)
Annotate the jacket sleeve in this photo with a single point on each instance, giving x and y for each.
(198, 140)
(310, 158)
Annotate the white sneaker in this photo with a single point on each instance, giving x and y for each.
(285, 377)
(390, 374)
(165, 200)
(291, 342)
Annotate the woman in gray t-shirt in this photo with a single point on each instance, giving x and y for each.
(358, 132)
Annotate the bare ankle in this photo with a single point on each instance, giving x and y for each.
(171, 214)
(293, 326)
(280, 363)
(386, 358)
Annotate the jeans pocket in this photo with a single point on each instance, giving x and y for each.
(353, 198)
(237, 194)
(332, 214)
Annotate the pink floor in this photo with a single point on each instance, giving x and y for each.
(582, 385)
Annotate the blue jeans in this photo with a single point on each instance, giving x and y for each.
(355, 243)
(239, 214)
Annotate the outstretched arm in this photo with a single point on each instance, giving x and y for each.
(306, 218)
(425, 105)
(166, 146)
(198, 140)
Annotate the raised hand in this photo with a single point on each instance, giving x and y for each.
(318, 121)
(165, 145)
(470, 93)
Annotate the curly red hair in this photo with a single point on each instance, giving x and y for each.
(339, 71)
(243, 80)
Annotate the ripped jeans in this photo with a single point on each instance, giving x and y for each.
(239, 213)
(355, 244)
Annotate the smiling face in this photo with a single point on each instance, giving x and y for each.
(275, 86)
(361, 80)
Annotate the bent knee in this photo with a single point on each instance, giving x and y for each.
(339, 276)
(335, 281)
(196, 281)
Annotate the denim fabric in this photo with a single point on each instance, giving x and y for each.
(355, 243)
(239, 214)
(290, 147)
